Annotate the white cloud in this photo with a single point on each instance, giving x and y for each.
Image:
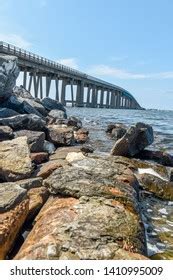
(70, 62)
(16, 40)
(105, 70)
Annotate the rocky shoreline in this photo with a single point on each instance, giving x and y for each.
(59, 199)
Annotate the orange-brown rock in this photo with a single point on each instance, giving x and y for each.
(81, 135)
(37, 198)
(10, 224)
(39, 158)
(85, 228)
(46, 169)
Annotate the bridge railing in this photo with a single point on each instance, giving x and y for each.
(19, 52)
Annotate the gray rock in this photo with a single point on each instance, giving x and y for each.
(21, 105)
(157, 156)
(116, 131)
(9, 72)
(35, 139)
(15, 161)
(135, 140)
(11, 194)
(49, 147)
(58, 114)
(6, 133)
(51, 104)
(60, 135)
(6, 113)
(73, 121)
(22, 92)
(30, 183)
(29, 122)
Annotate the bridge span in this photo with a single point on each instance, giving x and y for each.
(98, 93)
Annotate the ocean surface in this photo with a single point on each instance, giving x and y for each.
(157, 214)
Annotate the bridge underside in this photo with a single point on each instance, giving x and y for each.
(79, 93)
(43, 78)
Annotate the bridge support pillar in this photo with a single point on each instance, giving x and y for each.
(57, 89)
(48, 83)
(93, 98)
(107, 99)
(30, 82)
(41, 87)
(101, 98)
(88, 96)
(112, 105)
(24, 78)
(80, 94)
(36, 79)
(72, 93)
(63, 91)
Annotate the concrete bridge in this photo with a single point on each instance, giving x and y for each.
(85, 90)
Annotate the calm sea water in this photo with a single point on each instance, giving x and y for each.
(157, 214)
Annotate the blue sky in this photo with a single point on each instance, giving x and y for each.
(129, 43)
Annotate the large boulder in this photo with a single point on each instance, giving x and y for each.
(10, 225)
(60, 135)
(135, 140)
(51, 104)
(22, 92)
(11, 194)
(21, 105)
(28, 122)
(9, 72)
(35, 139)
(6, 113)
(6, 133)
(94, 228)
(15, 162)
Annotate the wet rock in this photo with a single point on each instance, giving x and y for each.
(170, 175)
(51, 104)
(35, 139)
(60, 135)
(58, 114)
(87, 149)
(11, 194)
(160, 188)
(81, 135)
(135, 140)
(49, 147)
(37, 198)
(29, 122)
(9, 72)
(39, 158)
(46, 169)
(10, 225)
(6, 133)
(15, 162)
(6, 113)
(30, 183)
(96, 228)
(73, 121)
(157, 156)
(116, 131)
